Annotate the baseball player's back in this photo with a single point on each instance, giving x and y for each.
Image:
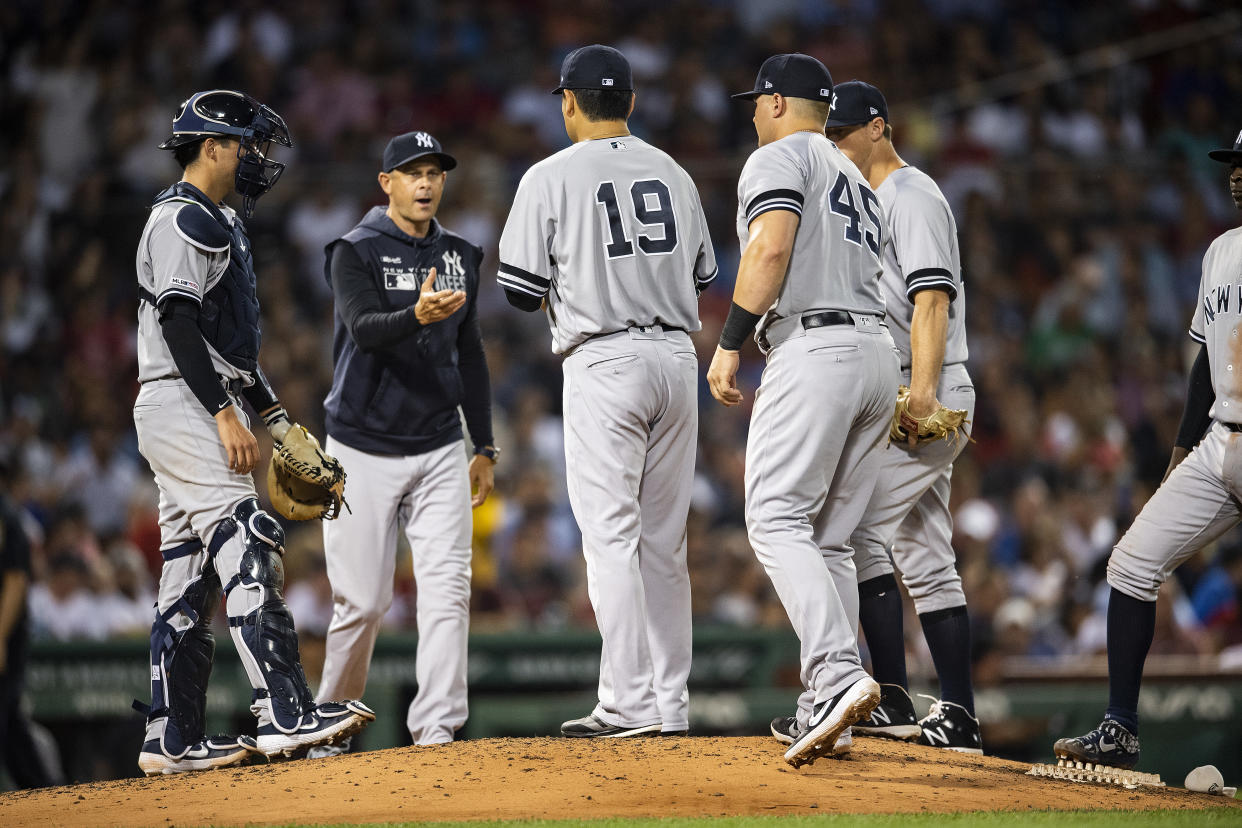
(621, 230)
(806, 174)
(609, 236)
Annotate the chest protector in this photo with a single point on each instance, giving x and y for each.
(229, 317)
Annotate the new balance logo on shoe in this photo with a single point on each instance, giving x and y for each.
(934, 736)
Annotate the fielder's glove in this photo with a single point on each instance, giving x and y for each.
(303, 482)
(941, 424)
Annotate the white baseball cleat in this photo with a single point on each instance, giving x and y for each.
(830, 719)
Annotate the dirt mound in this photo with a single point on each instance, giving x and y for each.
(564, 778)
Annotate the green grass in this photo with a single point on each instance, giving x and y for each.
(991, 819)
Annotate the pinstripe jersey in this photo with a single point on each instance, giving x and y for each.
(835, 264)
(921, 252)
(171, 263)
(612, 233)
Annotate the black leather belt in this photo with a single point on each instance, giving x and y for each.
(825, 318)
(233, 386)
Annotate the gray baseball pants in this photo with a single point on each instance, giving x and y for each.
(428, 497)
(909, 510)
(817, 433)
(1197, 504)
(631, 432)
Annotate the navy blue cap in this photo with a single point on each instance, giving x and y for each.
(405, 148)
(1229, 156)
(794, 76)
(856, 102)
(595, 67)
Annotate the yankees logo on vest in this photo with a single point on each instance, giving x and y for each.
(453, 274)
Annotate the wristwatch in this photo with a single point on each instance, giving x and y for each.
(490, 452)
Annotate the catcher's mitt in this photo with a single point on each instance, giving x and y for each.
(303, 482)
(941, 424)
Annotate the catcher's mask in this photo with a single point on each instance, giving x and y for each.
(255, 125)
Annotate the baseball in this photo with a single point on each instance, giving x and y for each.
(1205, 779)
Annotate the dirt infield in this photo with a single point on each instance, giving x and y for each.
(560, 779)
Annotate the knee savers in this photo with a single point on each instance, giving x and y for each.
(181, 664)
(262, 624)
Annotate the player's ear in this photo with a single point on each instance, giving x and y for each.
(385, 182)
(569, 104)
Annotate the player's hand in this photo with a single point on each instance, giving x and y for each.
(722, 377)
(482, 479)
(434, 305)
(1179, 454)
(921, 404)
(239, 442)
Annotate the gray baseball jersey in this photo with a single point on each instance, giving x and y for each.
(170, 263)
(807, 174)
(612, 233)
(1216, 322)
(921, 252)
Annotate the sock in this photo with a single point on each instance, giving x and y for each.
(1131, 627)
(880, 618)
(948, 637)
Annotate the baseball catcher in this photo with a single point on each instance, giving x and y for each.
(941, 424)
(303, 482)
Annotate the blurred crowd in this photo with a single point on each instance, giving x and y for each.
(1069, 138)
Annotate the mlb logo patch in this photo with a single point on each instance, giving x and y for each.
(825, 93)
(606, 81)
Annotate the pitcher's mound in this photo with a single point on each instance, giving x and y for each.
(493, 779)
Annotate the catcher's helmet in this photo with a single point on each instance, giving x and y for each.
(256, 126)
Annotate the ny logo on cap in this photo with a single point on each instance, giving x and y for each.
(1238, 140)
(606, 81)
(423, 139)
(833, 105)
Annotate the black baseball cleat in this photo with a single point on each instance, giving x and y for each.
(785, 729)
(949, 726)
(1109, 744)
(329, 723)
(831, 719)
(593, 726)
(216, 752)
(893, 718)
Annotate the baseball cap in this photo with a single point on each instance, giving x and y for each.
(856, 102)
(595, 67)
(1229, 156)
(794, 76)
(405, 148)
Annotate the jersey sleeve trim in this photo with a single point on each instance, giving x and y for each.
(512, 277)
(1200, 338)
(790, 200)
(708, 279)
(179, 293)
(934, 278)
